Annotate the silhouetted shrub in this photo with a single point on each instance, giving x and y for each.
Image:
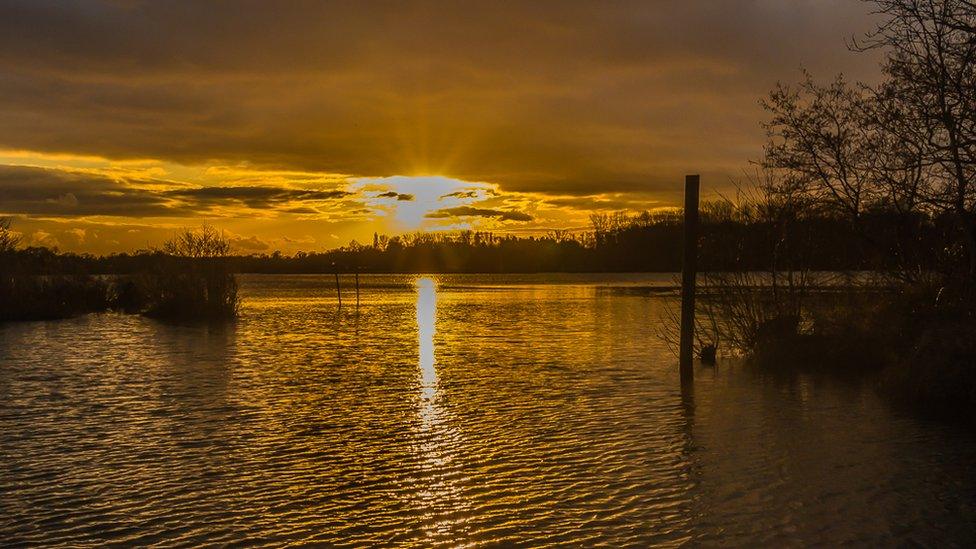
(189, 279)
(194, 282)
(192, 290)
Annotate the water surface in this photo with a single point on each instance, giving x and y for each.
(449, 410)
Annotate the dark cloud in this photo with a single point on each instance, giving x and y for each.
(38, 191)
(254, 196)
(461, 194)
(566, 97)
(470, 211)
(614, 202)
(405, 197)
(61, 193)
(302, 210)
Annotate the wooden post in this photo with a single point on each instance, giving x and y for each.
(688, 275)
(338, 290)
(357, 287)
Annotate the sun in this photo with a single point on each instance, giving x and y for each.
(414, 201)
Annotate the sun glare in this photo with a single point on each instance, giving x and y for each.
(414, 201)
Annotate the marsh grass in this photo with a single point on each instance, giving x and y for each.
(28, 296)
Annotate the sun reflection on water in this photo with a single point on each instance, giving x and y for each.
(440, 497)
(426, 327)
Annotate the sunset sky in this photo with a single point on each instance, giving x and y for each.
(304, 125)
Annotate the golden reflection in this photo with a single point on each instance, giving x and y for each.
(437, 436)
(426, 327)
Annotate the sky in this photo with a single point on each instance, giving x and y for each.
(304, 125)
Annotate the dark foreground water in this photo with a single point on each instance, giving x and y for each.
(448, 410)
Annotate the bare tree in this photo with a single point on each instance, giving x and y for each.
(9, 240)
(819, 139)
(907, 145)
(930, 99)
(195, 285)
(206, 242)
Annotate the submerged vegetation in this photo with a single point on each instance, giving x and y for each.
(192, 281)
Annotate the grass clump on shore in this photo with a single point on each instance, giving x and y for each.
(911, 340)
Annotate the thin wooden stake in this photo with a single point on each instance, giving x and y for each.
(357, 288)
(689, 272)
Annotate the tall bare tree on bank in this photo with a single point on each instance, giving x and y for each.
(931, 69)
(907, 145)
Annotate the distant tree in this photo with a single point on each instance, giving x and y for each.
(559, 235)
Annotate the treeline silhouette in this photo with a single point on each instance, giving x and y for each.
(732, 238)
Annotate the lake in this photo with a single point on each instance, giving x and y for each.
(450, 410)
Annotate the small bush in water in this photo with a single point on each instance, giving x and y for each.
(194, 282)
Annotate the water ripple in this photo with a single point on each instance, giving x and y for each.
(447, 412)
